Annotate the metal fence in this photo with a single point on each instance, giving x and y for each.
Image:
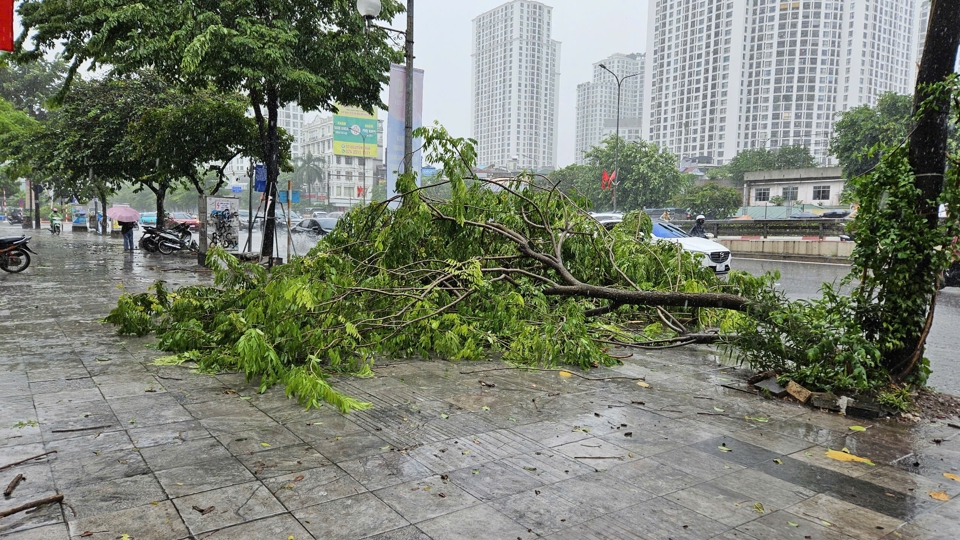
(765, 228)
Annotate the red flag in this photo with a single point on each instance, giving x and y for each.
(359, 191)
(6, 25)
(613, 178)
(605, 180)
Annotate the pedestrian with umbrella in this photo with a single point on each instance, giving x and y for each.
(127, 218)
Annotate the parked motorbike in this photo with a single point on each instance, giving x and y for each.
(15, 217)
(15, 253)
(951, 276)
(166, 241)
(56, 225)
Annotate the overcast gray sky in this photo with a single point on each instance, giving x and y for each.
(588, 30)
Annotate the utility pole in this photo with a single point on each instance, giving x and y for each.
(616, 151)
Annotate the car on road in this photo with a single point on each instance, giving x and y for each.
(715, 256)
(318, 214)
(148, 218)
(314, 226)
(183, 217)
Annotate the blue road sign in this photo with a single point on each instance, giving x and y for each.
(237, 189)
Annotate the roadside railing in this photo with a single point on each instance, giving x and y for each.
(765, 228)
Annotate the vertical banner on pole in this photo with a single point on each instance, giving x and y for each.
(6, 25)
(396, 125)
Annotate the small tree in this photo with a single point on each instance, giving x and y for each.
(712, 200)
(761, 159)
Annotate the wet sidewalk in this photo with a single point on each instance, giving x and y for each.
(449, 451)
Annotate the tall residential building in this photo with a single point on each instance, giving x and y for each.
(342, 175)
(514, 86)
(597, 100)
(714, 89)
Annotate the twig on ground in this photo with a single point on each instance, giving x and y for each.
(29, 505)
(28, 459)
(557, 370)
(78, 429)
(13, 485)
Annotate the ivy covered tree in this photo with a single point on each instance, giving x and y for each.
(711, 199)
(311, 52)
(648, 175)
(761, 159)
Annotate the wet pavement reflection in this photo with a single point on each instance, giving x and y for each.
(449, 450)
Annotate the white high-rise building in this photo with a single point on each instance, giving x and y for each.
(514, 86)
(597, 101)
(724, 76)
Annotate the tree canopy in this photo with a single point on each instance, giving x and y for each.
(711, 199)
(861, 133)
(648, 176)
(761, 159)
(14, 125)
(29, 86)
(312, 52)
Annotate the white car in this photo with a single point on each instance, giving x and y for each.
(715, 256)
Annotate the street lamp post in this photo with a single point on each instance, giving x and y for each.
(370, 9)
(616, 151)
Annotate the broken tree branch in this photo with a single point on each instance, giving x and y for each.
(7, 466)
(29, 505)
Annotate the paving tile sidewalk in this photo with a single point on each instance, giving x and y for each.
(162, 453)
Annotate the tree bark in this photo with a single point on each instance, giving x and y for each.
(928, 154)
(271, 150)
(652, 298)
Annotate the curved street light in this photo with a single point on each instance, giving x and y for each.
(370, 10)
(616, 152)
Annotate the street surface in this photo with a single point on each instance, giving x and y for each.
(448, 451)
(804, 280)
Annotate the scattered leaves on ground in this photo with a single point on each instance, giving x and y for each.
(718, 409)
(444, 415)
(857, 428)
(792, 524)
(939, 495)
(952, 476)
(723, 448)
(265, 445)
(484, 408)
(778, 461)
(759, 508)
(643, 384)
(847, 456)
(760, 419)
(565, 373)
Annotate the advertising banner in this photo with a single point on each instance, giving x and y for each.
(6, 25)
(354, 133)
(396, 125)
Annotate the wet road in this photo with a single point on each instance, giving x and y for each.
(803, 280)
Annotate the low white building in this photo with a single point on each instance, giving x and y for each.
(820, 186)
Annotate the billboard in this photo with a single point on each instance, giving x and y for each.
(354, 133)
(396, 125)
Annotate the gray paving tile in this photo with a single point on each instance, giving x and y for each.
(113, 495)
(787, 526)
(231, 505)
(91, 443)
(653, 476)
(385, 469)
(542, 512)
(179, 453)
(311, 487)
(404, 533)
(660, 519)
(279, 527)
(203, 476)
(421, 500)
(47, 532)
(145, 437)
(851, 519)
(354, 517)
(350, 445)
(283, 460)
(465, 452)
(77, 469)
(41, 518)
(481, 521)
(148, 522)
(148, 410)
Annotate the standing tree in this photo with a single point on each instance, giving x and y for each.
(312, 52)
(30, 86)
(862, 132)
(761, 159)
(14, 126)
(648, 175)
(308, 170)
(711, 199)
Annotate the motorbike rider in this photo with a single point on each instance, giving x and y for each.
(698, 229)
(55, 218)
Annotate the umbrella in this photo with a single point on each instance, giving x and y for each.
(123, 213)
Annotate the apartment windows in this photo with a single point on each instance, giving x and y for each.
(821, 193)
(790, 193)
(761, 194)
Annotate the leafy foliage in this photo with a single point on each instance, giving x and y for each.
(761, 159)
(862, 132)
(711, 199)
(648, 176)
(30, 86)
(431, 279)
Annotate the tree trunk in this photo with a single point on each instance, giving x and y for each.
(271, 150)
(928, 156)
(161, 193)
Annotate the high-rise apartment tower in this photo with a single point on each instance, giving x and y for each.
(597, 101)
(729, 75)
(514, 85)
